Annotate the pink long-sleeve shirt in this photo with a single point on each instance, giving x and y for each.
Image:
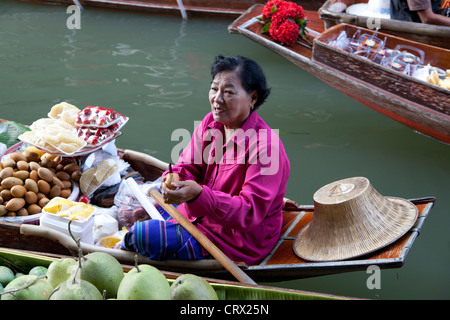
(244, 183)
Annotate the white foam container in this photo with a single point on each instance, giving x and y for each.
(35, 218)
(83, 230)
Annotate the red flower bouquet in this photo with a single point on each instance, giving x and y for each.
(285, 21)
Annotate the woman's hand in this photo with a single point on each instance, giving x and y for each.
(185, 191)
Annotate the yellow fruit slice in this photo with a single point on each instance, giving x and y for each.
(58, 205)
(84, 214)
(35, 150)
(70, 209)
(64, 213)
(109, 242)
(81, 210)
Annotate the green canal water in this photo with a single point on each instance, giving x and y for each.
(155, 70)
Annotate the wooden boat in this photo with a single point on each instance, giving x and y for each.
(192, 8)
(281, 264)
(424, 33)
(24, 261)
(417, 104)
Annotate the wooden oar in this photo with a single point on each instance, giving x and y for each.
(202, 239)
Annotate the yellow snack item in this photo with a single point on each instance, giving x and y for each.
(34, 149)
(49, 155)
(445, 83)
(49, 124)
(64, 111)
(82, 213)
(58, 205)
(54, 136)
(433, 78)
(69, 209)
(109, 242)
(82, 210)
(33, 138)
(63, 213)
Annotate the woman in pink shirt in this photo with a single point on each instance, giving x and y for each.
(233, 176)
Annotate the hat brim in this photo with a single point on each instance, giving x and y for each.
(362, 9)
(335, 246)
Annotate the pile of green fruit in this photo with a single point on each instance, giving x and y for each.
(99, 276)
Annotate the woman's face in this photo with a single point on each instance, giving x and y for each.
(230, 102)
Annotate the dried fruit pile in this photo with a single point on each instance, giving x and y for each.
(30, 179)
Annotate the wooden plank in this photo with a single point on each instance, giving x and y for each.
(306, 218)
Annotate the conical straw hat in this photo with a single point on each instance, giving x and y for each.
(352, 219)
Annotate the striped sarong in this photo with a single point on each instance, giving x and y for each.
(162, 240)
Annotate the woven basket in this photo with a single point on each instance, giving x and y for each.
(352, 219)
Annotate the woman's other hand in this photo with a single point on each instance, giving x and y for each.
(184, 191)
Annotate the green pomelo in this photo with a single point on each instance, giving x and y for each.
(144, 283)
(38, 271)
(82, 290)
(103, 271)
(192, 287)
(6, 275)
(36, 289)
(19, 274)
(60, 270)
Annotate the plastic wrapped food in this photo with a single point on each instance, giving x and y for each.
(129, 209)
(96, 125)
(118, 124)
(98, 117)
(31, 137)
(53, 136)
(434, 78)
(94, 136)
(50, 125)
(95, 177)
(128, 215)
(64, 111)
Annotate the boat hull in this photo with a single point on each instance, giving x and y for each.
(24, 261)
(280, 265)
(192, 8)
(429, 114)
(394, 94)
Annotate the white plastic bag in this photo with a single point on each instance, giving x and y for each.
(104, 225)
(129, 209)
(3, 148)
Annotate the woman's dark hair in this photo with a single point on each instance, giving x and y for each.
(249, 72)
